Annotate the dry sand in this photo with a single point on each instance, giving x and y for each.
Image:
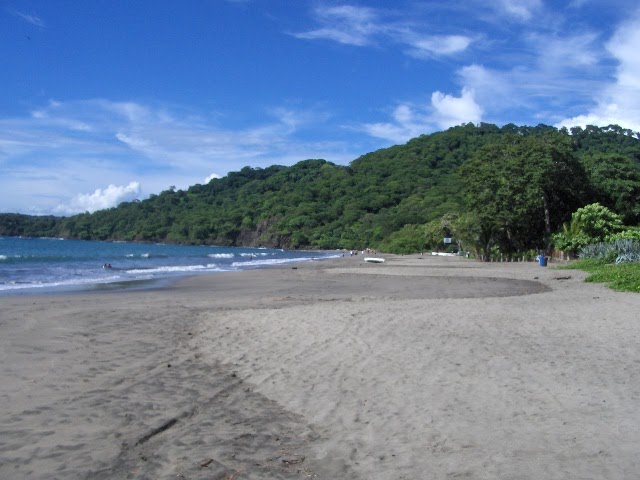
(418, 368)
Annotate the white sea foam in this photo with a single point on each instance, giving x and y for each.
(40, 266)
(58, 283)
(212, 267)
(270, 261)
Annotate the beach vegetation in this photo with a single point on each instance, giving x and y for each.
(628, 233)
(624, 277)
(521, 189)
(615, 262)
(497, 192)
(618, 251)
(591, 224)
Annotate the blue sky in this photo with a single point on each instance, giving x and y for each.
(103, 101)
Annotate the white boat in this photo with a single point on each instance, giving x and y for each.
(374, 260)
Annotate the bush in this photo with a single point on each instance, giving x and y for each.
(623, 277)
(597, 221)
(628, 234)
(618, 251)
(571, 242)
(409, 239)
(589, 225)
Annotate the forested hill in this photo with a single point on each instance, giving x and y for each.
(316, 204)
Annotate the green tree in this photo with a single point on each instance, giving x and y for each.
(615, 183)
(524, 187)
(596, 221)
(521, 189)
(590, 224)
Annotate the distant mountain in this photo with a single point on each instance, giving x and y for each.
(316, 204)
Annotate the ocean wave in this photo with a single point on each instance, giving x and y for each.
(221, 255)
(33, 258)
(58, 283)
(212, 267)
(271, 261)
(146, 255)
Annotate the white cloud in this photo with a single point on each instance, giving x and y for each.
(522, 10)
(624, 47)
(361, 26)
(61, 122)
(490, 86)
(450, 110)
(344, 24)
(578, 3)
(430, 46)
(32, 19)
(560, 55)
(111, 196)
(564, 78)
(553, 74)
(62, 150)
(407, 123)
(211, 177)
(443, 112)
(538, 61)
(618, 102)
(294, 119)
(134, 143)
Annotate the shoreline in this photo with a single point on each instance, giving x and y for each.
(42, 266)
(432, 366)
(138, 284)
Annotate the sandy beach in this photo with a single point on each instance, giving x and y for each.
(418, 368)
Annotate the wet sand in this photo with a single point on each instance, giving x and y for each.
(416, 368)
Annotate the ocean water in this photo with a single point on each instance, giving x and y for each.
(48, 264)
